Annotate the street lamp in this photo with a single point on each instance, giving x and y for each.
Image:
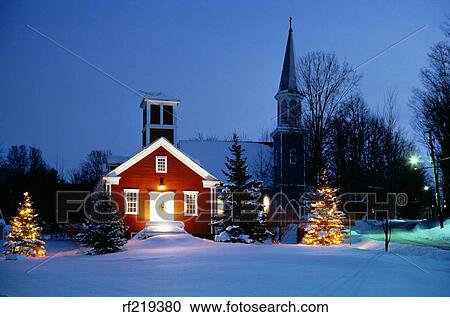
(426, 188)
(414, 160)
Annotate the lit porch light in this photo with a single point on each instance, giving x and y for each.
(161, 186)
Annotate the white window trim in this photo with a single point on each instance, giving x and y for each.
(125, 192)
(190, 192)
(165, 163)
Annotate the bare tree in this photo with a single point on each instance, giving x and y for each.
(367, 152)
(201, 137)
(241, 135)
(325, 84)
(17, 160)
(37, 165)
(387, 229)
(393, 143)
(446, 26)
(91, 169)
(431, 105)
(265, 136)
(25, 170)
(22, 160)
(348, 144)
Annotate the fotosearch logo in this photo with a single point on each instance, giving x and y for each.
(202, 206)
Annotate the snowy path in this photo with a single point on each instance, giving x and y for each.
(185, 266)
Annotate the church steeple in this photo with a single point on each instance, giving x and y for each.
(288, 138)
(288, 80)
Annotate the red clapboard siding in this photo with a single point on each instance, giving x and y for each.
(178, 178)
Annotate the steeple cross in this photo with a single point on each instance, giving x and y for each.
(290, 23)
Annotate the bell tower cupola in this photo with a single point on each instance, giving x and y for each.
(159, 118)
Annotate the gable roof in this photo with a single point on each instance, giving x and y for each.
(164, 143)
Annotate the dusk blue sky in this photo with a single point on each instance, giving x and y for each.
(221, 58)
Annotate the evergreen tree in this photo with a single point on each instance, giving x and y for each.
(25, 236)
(260, 229)
(243, 218)
(103, 231)
(326, 225)
(237, 168)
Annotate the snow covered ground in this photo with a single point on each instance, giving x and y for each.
(409, 232)
(181, 265)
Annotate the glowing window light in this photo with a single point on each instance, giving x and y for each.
(266, 203)
(220, 207)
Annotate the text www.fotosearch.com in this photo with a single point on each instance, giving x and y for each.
(226, 307)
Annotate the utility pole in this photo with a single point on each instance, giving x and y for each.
(436, 180)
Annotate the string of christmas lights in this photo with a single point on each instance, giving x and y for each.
(325, 227)
(25, 235)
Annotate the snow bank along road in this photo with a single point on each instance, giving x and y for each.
(421, 233)
(181, 265)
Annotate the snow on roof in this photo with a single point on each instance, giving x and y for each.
(212, 155)
(157, 96)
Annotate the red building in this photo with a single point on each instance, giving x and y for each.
(160, 186)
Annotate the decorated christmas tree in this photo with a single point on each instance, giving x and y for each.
(325, 227)
(103, 231)
(25, 235)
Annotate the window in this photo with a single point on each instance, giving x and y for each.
(283, 112)
(190, 203)
(131, 201)
(293, 114)
(161, 164)
(168, 115)
(292, 156)
(155, 116)
(155, 134)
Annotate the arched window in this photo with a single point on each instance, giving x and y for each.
(293, 114)
(283, 112)
(292, 156)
